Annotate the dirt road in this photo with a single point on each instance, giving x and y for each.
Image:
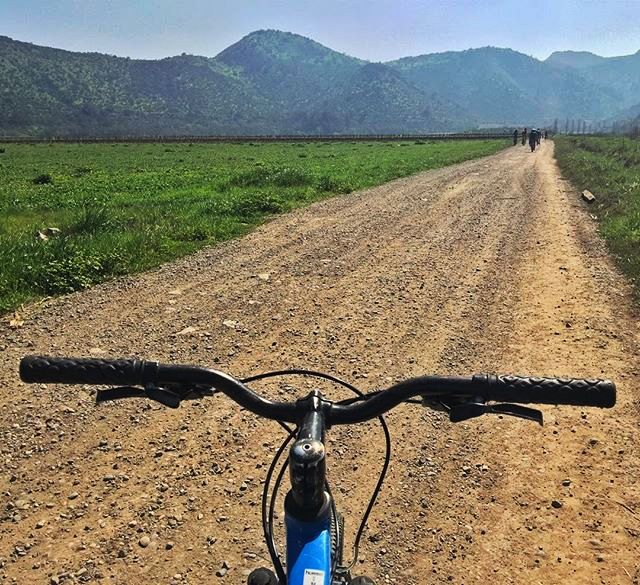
(491, 265)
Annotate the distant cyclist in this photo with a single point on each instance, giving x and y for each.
(533, 139)
(524, 137)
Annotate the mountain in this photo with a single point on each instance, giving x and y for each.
(272, 82)
(50, 91)
(575, 59)
(620, 75)
(288, 68)
(504, 86)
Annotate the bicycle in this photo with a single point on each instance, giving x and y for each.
(314, 528)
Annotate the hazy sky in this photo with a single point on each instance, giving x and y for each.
(370, 29)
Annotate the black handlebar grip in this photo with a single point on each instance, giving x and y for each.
(86, 371)
(577, 392)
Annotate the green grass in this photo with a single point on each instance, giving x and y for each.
(610, 168)
(123, 208)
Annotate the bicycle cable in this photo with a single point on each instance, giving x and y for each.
(267, 523)
(267, 518)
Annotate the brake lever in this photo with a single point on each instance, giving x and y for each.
(461, 411)
(164, 395)
(170, 395)
(119, 393)
(467, 410)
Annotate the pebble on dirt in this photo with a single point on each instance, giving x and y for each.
(144, 542)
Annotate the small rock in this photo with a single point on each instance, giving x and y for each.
(144, 542)
(230, 323)
(168, 546)
(73, 495)
(16, 322)
(264, 276)
(556, 504)
(40, 524)
(187, 331)
(221, 572)
(566, 482)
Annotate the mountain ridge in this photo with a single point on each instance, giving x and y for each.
(274, 82)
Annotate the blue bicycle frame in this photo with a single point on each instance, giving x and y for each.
(309, 550)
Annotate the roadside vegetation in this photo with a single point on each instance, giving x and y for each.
(72, 215)
(610, 168)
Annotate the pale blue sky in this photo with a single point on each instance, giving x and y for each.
(369, 29)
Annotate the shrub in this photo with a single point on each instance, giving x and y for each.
(329, 184)
(82, 171)
(258, 203)
(43, 179)
(92, 220)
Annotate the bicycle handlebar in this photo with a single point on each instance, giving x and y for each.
(484, 387)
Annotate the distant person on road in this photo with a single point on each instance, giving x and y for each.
(524, 137)
(533, 139)
(538, 136)
(545, 134)
(515, 137)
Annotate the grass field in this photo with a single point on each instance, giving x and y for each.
(122, 208)
(610, 168)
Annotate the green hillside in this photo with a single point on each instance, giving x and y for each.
(272, 82)
(620, 75)
(501, 85)
(50, 91)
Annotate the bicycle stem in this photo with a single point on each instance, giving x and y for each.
(307, 462)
